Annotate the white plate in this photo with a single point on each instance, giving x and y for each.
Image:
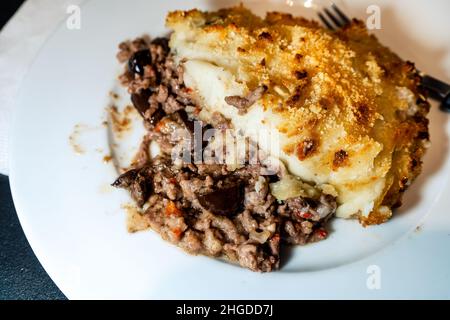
(75, 223)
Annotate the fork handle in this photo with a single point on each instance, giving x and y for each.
(439, 90)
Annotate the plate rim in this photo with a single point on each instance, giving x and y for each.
(15, 193)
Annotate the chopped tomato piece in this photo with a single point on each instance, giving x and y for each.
(177, 232)
(172, 210)
(160, 125)
(306, 215)
(322, 233)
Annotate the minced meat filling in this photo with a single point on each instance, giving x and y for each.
(204, 208)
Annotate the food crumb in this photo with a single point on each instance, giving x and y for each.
(107, 159)
(73, 140)
(136, 221)
(114, 95)
(121, 121)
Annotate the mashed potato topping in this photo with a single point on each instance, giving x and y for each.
(346, 111)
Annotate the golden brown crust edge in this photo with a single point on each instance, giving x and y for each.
(411, 137)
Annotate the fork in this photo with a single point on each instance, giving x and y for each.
(334, 18)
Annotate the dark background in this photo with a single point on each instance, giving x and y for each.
(21, 275)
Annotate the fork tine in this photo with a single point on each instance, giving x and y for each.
(336, 21)
(341, 14)
(325, 21)
(333, 17)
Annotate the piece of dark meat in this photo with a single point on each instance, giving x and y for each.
(140, 101)
(225, 201)
(138, 182)
(139, 60)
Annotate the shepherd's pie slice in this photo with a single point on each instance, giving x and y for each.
(346, 110)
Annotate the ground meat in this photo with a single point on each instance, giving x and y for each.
(127, 48)
(243, 103)
(252, 257)
(247, 254)
(168, 186)
(169, 131)
(214, 170)
(142, 157)
(207, 208)
(162, 78)
(293, 233)
(257, 196)
(172, 105)
(303, 219)
(192, 243)
(213, 245)
(162, 94)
